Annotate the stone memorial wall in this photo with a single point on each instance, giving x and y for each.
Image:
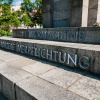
(53, 44)
(61, 13)
(70, 55)
(79, 35)
(70, 13)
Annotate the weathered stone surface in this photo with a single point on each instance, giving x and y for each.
(23, 95)
(76, 13)
(38, 68)
(58, 34)
(98, 13)
(47, 14)
(60, 77)
(87, 87)
(1, 61)
(42, 90)
(2, 97)
(9, 73)
(20, 33)
(2, 66)
(21, 62)
(70, 54)
(50, 85)
(93, 9)
(9, 76)
(61, 13)
(8, 57)
(97, 62)
(91, 55)
(88, 35)
(47, 6)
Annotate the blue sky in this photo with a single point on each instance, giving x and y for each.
(18, 2)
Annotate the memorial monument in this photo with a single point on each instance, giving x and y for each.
(65, 38)
(68, 38)
(70, 13)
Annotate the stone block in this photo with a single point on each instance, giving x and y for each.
(61, 77)
(42, 90)
(69, 54)
(47, 20)
(46, 5)
(87, 87)
(89, 35)
(93, 4)
(83, 52)
(97, 61)
(21, 94)
(61, 15)
(76, 18)
(38, 68)
(92, 15)
(20, 33)
(2, 66)
(61, 4)
(8, 89)
(36, 34)
(22, 62)
(53, 34)
(8, 80)
(61, 23)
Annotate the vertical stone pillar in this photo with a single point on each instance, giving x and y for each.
(70, 13)
(76, 13)
(98, 12)
(85, 13)
(61, 13)
(47, 13)
(92, 15)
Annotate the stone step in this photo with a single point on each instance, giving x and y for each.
(88, 35)
(27, 78)
(83, 56)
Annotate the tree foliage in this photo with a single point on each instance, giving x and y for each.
(26, 20)
(15, 22)
(8, 19)
(30, 14)
(27, 6)
(9, 2)
(5, 17)
(33, 10)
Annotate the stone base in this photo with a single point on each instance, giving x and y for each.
(83, 56)
(27, 78)
(89, 35)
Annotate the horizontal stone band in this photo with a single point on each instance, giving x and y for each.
(77, 35)
(70, 54)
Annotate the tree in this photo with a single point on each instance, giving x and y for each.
(5, 17)
(14, 21)
(27, 6)
(38, 15)
(27, 21)
(33, 10)
(8, 19)
(9, 2)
